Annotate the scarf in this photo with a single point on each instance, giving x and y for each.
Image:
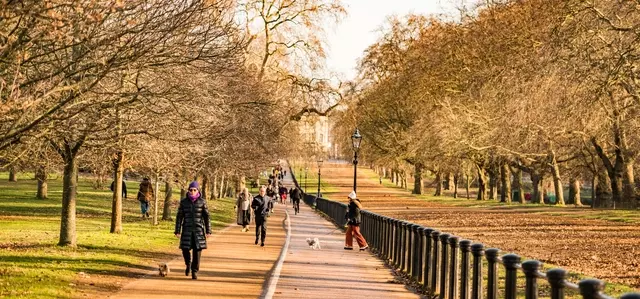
(193, 197)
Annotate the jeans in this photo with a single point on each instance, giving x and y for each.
(144, 207)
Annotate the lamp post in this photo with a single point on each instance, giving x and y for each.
(306, 169)
(356, 138)
(319, 165)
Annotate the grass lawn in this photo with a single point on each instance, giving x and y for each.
(33, 266)
(311, 182)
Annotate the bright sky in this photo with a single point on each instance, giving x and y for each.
(359, 29)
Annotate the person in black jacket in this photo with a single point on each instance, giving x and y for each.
(261, 206)
(353, 222)
(193, 220)
(124, 188)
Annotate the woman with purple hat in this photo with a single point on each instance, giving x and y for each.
(193, 221)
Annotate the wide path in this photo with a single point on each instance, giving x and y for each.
(331, 272)
(233, 267)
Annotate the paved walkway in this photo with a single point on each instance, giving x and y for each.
(233, 267)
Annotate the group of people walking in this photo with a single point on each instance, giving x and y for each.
(193, 224)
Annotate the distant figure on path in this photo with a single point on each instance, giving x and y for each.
(261, 206)
(145, 195)
(243, 211)
(353, 222)
(193, 221)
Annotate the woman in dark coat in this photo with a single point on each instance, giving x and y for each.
(353, 221)
(193, 220)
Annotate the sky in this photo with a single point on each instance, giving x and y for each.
(348, 40)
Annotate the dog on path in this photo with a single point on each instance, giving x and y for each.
(163, 269)
(314, 243)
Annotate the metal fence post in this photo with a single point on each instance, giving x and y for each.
(465, 248)
(556, 280)
(453, 267)
(444, 263)
(591, 288)
(415, 255)
(492, 265)
(435, 276)
(511, 264)
(420, 264)
(530, 269)
(396, 243)
(427, 258)
(409, 247)
(477, 250)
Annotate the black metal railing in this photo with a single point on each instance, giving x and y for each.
(448, 267)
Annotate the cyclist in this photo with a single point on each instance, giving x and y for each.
(296, 195)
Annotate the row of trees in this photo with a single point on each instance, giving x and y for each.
(544, 87)
(171, 89)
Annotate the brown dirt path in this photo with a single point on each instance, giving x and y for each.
(331, 272)
(602, 249)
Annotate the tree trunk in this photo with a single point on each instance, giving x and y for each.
(404, 180)
(155, 199)
(214, 192)
(183, 193)
(493, 189)
(482, 183)
(168, 193)
(557, 183)
(518, 186)
(397, 173)
(455, 185)
(42, 176)
(614, 170)
(604, 191)
(467, 185)
(242, 182)
(116, 203)
(447, 181)
(69, 191)
(574, 192)
(536, 180)
(13, 176)
(438, 184)
(393, 177)
(594, 183)
(628, 180)
(505, 177)
(222, 186)
(205, 187)
(417, 184)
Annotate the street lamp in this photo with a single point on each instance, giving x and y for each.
(356, 138)
(319, 165)
(306, 169)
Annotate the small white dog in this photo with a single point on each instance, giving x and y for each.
(314, 243)
(163, 269)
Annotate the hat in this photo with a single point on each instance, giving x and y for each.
(194, 184)
(352, 195)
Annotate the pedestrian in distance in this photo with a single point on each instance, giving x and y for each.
(353, 223)
(261, 206)
(243, 211)
(124, 188)
(193, 226)
(145, 195)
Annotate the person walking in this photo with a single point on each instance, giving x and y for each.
(124, 188)
(353, 223)
(194, 222)
(145, 194)
(260, 206)
(243, 213)
(296, 195)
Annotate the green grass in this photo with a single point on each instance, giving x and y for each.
(32, 265)
(311, 181)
